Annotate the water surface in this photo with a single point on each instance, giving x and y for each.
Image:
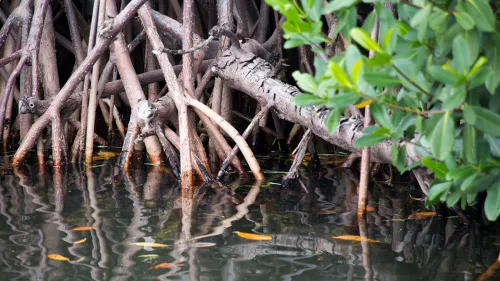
(38, 213)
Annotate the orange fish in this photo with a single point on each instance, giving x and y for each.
(355, 238)
(421, 215)
(57, 257)
(80, 241)
(165, 265)
(252, 236)
(152, 245)
(103, 155)
(83, 228)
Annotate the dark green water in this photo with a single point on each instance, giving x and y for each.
(38, 214)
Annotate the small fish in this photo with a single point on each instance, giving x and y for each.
(83, 228)
(103, 155)
(57, 257)
(252, 236)
(355, 238)
(80, 241)
(421, 215)
(147, 244)
(204, 244)
(166, 265)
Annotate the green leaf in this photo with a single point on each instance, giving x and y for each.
(390, 40)
(372, 138)
(339, 74)
(312, 8)
(477, 66)
(356, 70)
(403, 28)
(436, 191)
(494, 146)
(363, 39)
(493, 55)
(398, 156)
(482, 13)
(305, 81)
(469, 146)
(486, 121)
(460, 173)
(421, 16)
(481, 183)
(438, 168)
(437, 20)
(332, 119)
(456, 98)
(469, 115)
(337, 5)
(306, 100)
(352, 56)
(342, 100)
(442, 75)
(482, 152)
(464, 19)
(379, 59)
(461, 54)
(468, 182)
(492, 203)
(292, 43)
(379, 112)
(443, 137)
(381, 79)
(453, 198)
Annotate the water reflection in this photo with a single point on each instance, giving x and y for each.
(38, 213)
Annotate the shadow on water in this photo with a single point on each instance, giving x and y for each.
(38, 214)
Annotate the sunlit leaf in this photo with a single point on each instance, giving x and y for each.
(356, 70)
(84, 228)
(339, 74)
(421, 215)
(147, 244)
(165, 265)
(253, 236)
(363, 104)
(57, 257)
(355, 238)
(363, 39)
(80, 241)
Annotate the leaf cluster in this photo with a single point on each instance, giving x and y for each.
(429, 69)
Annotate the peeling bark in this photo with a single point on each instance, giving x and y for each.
(252, 75)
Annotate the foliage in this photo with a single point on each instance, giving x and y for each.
(431, 76)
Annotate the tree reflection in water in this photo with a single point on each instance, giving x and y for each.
(39, 211)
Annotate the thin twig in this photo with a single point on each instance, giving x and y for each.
(245, 135)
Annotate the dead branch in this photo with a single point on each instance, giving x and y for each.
(248, 73)
(113, 29)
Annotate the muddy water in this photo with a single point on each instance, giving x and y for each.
(38, 214)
